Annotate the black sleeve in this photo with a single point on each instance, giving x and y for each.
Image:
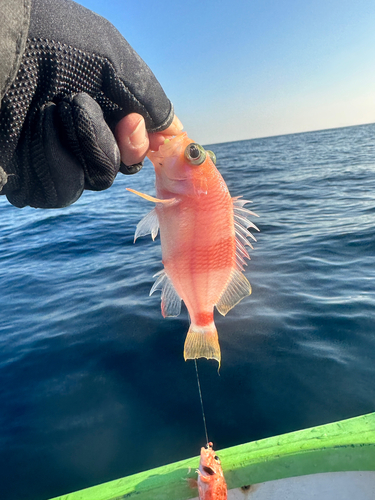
(78, 77)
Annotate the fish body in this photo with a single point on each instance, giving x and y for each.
(211, 482)
(203, 232)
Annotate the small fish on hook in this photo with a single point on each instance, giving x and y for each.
(211, 482)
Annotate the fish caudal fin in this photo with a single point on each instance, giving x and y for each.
(202, 342)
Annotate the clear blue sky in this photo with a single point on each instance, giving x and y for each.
(239, 69)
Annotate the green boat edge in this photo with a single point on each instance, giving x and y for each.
(347, 445)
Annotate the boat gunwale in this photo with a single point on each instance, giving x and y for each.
(347, 445)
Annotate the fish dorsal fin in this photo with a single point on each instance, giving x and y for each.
(241, 225)
(170, 300)
(237, 289)
(148, 225)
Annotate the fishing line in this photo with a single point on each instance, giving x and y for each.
(200, 397)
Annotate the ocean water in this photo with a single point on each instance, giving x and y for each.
(93, 381)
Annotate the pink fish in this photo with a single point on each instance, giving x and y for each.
(211, 482)
(203, 232)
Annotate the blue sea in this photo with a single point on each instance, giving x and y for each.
(93, 384)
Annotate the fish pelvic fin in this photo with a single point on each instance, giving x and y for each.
(170, 300)
(202, 342)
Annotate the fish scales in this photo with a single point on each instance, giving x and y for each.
(198, 252)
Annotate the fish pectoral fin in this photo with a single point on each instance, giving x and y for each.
(202, 342)
(148, 225)
(170, 300)
(237, 289)
(147, 197)
(192, 482)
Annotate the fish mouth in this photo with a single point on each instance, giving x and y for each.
(172, 142)
(208, 470)
(170, 147)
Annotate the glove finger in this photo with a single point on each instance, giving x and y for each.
(90, 139)
(45, 174)
(65, 171)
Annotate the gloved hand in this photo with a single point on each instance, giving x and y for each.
(77, 80)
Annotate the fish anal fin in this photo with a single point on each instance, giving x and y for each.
(237, 289)
(148, 225)
(202, 342)
(147, 197)
(170, 300)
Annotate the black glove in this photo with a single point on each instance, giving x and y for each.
(77, 79)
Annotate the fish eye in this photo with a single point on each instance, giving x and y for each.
(212, 155)
(217, 458)
(195, 154)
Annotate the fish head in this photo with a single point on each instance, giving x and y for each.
(210, 466)
(182, 166)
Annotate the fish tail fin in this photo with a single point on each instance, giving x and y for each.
(202, 342)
